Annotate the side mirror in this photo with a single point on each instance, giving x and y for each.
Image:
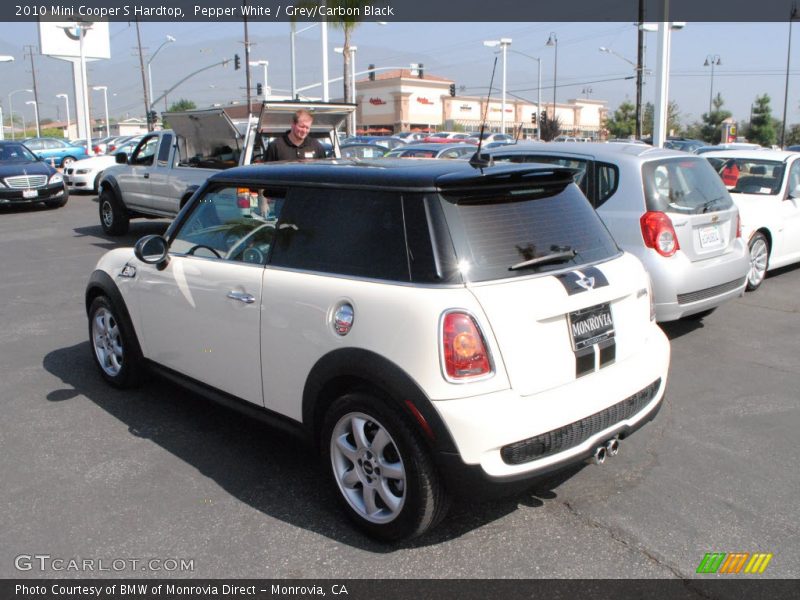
(152, 250)
(121, 158)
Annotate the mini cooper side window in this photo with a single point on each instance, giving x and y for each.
(234, 223)
(345, 232)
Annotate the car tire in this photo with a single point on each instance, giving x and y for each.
(759, 261)
(113, 216)
(380, 468)
(114, 346)
(67, 161)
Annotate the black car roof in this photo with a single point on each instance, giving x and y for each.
(395, 173)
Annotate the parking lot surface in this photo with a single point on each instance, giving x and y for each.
(91, 472)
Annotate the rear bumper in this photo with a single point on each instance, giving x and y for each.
(483, 426)
(682, 287)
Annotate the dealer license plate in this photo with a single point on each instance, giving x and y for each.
(29, 193)
(590, 326)
(709, 236)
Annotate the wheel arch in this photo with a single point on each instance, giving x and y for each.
(764, 230)
(111, 184)
(101, 284)
(354, 369)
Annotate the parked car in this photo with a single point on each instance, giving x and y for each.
(730, 146)
(793, 148)
(665, 207)
(25, 178)
(765, 185)
(490, 137)
(432, 328)
(60, 152)
(411, 136)
(363, 150)
(85, 175)
(434, 150)
(386, 141)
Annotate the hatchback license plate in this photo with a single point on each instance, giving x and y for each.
(709, 236)
(590, 326)
(29, 193)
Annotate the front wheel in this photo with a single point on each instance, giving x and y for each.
(113, 216)
(381, 469)
(115, 348)
(759, 260)
(67, 161)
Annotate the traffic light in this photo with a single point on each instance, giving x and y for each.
(420, 72)
(533, 118)
(152, 117)
(259, 89)
(237, 63)
(452, 89)
(371, 70)
(543, 117)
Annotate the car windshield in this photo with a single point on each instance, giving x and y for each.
(683, 185)
(749, 176)
(15, 153)
(519, 232)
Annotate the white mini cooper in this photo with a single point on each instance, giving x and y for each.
(431, 326)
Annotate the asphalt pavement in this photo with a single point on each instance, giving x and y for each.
(155, 474)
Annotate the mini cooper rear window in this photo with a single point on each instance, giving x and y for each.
(684, 185)
(514, 233)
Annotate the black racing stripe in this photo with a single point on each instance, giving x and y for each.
(570, 280)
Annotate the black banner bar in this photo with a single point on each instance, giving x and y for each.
(398, 10)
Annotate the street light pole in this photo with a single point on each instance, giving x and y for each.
(104, 88)
(352, 82)
(712, 60)
(66, 103)
(168, 40)
(4, 58)
(792, 16)
(553, 41)
(35, 115)
(265, 64)
(11, 110)
(538, 89)
(504, 43)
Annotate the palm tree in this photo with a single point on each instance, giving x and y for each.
(347, 24)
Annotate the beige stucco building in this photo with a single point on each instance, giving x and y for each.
(404, 100)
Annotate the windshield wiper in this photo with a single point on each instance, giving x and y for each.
(707, 206)
(562, 254)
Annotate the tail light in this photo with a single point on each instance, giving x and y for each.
(96, 149)
(463, 348)
(738, 225)
(658, 233)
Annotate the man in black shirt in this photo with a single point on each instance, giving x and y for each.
(295, 143)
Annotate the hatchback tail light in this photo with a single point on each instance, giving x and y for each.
(463, 348)
(658, 233)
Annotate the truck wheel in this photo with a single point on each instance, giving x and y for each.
(381, 469)
(113, 216)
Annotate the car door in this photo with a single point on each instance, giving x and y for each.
(790, 213)
(135, 180)
(200, 314)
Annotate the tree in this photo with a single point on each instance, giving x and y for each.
(182, 105)
(711, 131)
(673, 118)
(623, 123)
(347, 24)
(762, 126)
(793, 135)
(550, 128)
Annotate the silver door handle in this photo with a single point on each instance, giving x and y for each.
(241, 297)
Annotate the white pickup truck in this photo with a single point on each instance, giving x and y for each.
(168, 166)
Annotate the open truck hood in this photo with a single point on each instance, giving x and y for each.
(276, 117)
(208, 133)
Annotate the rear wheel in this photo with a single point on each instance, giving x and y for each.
(381, 469)
(113, 216)
(115, 348)
(759, 261)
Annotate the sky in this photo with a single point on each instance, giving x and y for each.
(753, 62)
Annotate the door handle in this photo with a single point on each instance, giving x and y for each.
(147, 175)
(241, 297)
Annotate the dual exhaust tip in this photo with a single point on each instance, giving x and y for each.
(610, 448)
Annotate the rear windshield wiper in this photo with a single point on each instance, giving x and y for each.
(562, 254)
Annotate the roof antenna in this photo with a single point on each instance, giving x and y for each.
(476, 160)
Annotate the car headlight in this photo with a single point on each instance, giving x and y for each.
(57, 178)
(81, 171)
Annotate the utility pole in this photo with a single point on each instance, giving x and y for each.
(144, 79)
(639, 70)
(246, 59)
(29, 49)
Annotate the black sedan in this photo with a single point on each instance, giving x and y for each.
(25, 179)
